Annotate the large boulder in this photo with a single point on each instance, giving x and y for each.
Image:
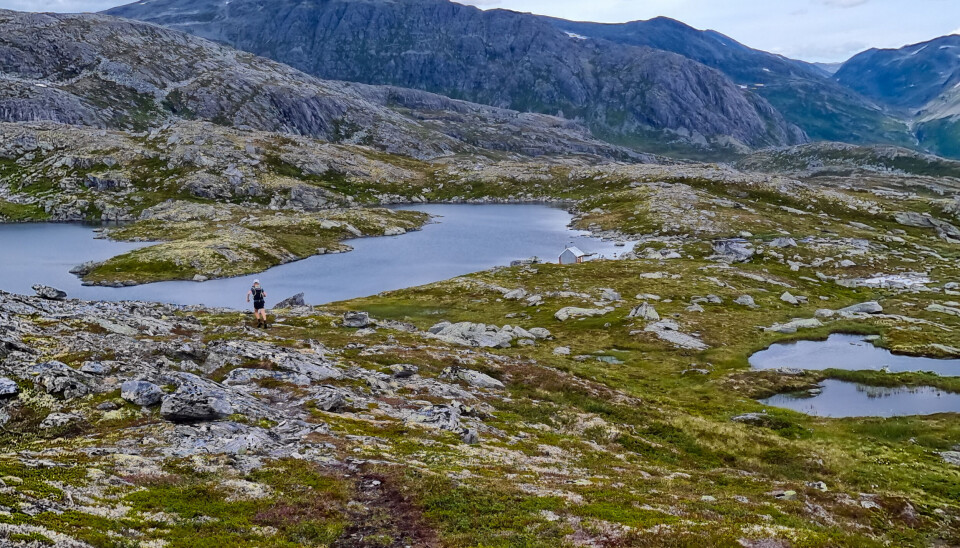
(51, 293)
(356, 319)
(192, 403)
(142, 393)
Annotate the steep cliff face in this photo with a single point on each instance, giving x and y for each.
(498, 58)
(805, 95)
(108, 72)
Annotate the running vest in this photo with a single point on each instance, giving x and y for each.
(257, 294)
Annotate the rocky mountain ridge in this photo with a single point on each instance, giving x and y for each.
(104, 72)
(804, 94)
(633, 95)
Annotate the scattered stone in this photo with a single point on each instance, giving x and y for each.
(94, 368)
(645, 312)
(746, 300)
(330, 399)
(471, 377)
(733, 251)
(540, 333)
(568, 312)
(515, 295)
(869, 307)
(818, 485)
(50, 293)
(793, 326)
(783, 242)
(108, 406)
(56, 420)
(8, 387)
(694, 308)
(940, 309)
(788, 298)
(470, 436)
(561, 351)
(785, 495)
(292, 302)
(847, 263)
(403, 370)
(142, 393)
(951, 457)
(669, 331)
(357, 320)
(474, 334)
(754, 419)
(610, 295)
(200, 278)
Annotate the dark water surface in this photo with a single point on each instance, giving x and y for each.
(463, 239)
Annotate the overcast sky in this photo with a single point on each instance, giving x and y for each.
(812, 30)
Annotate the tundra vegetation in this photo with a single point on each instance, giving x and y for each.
(602, 404)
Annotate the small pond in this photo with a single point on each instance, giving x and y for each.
(463, 239)
(851, 352)
(838, 399)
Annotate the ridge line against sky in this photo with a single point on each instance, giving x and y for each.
(811, 30)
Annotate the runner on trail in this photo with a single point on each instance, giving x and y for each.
(259, 303)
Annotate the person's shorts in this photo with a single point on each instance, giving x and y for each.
(258, 306)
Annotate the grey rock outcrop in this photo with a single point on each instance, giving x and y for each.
(733, 251)
(291, 302)
(47, 292)
(669, 331)
(8, 387)
(569, 312)
(471, 377)
(191, 403)
(358, 320)
(142, 393)
(645, 311)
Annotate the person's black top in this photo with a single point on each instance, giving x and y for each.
(258, 299)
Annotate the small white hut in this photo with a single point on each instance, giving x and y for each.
(572, 255)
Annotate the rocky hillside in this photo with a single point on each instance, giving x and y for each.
(603, 404)
(909, 77)
(102, 71)
(804, 94)
(922, 80)
(630, 94)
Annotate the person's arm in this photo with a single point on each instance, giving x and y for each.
(248, 295)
